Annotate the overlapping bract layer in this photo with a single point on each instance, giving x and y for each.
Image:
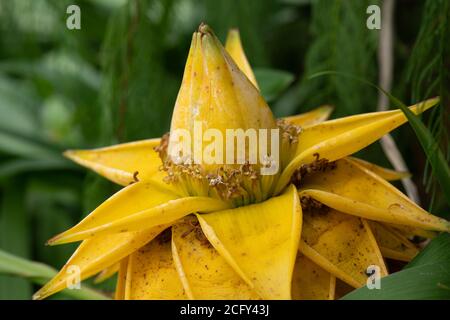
(166, 245)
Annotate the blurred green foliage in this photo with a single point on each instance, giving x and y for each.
(117, 78)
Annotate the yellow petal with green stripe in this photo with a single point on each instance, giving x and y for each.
(205, 274)
(259, 241)
(96, 254)
(336, 139)
(355, 190)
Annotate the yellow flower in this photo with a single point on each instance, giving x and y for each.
(208, 231)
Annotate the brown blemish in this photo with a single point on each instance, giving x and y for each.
(311, 205)
(135, 176)
(318, 165)
(165, 236)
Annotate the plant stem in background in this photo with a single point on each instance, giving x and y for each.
(386, 65)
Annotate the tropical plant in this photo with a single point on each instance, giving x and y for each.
(199, 230)
(116, 81)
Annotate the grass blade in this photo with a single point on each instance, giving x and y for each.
(40, 273)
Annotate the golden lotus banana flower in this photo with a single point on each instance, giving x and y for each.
(196, 230)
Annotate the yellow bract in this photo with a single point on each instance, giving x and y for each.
(386, 174)
(353, 189)
(312, 117)
(124, 163)
(107, 273)
(205, 274)
(411, 232)
(259, 241)
(392, 243)
(233, 46)
(121, 279)
(151, 273)
(336, 139)
(341, 244)
(137, 207)
(96, 254)
(216, 94)
(311, 282)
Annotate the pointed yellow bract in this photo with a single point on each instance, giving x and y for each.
(215, 94)
(386, 174)
(355, 190)
(341, 244)
(123, 163)
(121, 280)
(151, 273)
(392, 243)
(130, 200)
(259, 241)
(202, 270)
(311, 282)
(233, 45)
(107, 273)
(312, 117)
(336, 139)
(411, 232)
(96, 254)
(137, 207)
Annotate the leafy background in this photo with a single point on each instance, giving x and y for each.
(116, 80)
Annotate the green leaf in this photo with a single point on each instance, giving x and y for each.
(11, 264)
(26, 146)
(54, 202)
(138, 88)
(14, 221)
(40, 273)
(18, 106)
(437, 251)
(297, 2)
(272, 82)
(426, 277)
(17, 166)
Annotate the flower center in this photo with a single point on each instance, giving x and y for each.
(241, 184)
